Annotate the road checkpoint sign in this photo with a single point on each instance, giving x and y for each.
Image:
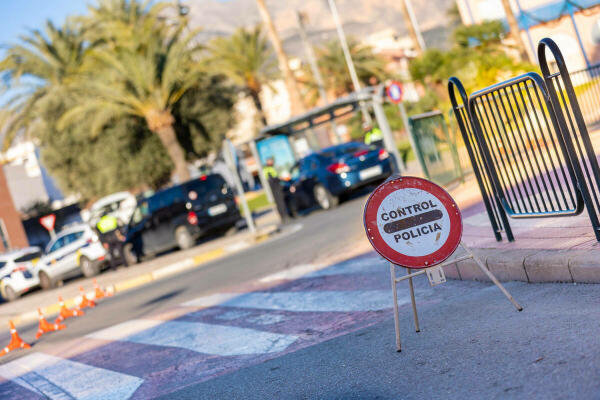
(395, 92)
(415, 224)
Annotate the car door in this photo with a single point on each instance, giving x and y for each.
(161, 233)
(73, 242)
(53, 255)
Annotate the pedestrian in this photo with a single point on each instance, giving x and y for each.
(276, 189)
(112, 239)
(372, 135)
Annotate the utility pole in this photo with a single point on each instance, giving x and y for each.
(413, 26)
(515, 32)
(355, 82)
(310, 55)
(296, 103)
(314, 66)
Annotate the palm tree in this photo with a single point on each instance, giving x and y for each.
(290, 80)
(515, 31)
(246, 58)
(40, 71)
(335, 72)
(144, 77)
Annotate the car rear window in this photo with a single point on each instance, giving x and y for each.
(28, 257)
(208, 184)
(166, 198)
(343, 150)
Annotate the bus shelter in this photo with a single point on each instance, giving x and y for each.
(289, 141)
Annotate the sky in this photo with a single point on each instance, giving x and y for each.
(19, 16)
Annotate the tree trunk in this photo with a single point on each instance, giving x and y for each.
(259, 108)
(412, 30)
(167, 136)
(296, 103)
(515, 32)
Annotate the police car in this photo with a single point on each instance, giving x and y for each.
(74, 251)
(17, 272)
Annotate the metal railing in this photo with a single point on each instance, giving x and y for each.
(529, 146)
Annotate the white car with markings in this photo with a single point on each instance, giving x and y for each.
(17, 272)
(74, 251)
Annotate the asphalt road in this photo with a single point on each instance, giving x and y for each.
(321, 233)
(473, 345)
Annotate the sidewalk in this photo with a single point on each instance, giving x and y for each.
(24, 310)
(545, 249)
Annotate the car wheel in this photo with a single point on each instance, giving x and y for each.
(129, 254)
(88, 268)
(10, 294)
(183, 238)
(45, 281)
(324, 199)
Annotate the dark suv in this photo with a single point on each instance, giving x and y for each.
(177, 216)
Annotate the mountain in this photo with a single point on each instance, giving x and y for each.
(360, 18)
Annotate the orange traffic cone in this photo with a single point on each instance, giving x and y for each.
(65, 312)
(85, 302)
(100, 293)
(46, 326)
(15, 341)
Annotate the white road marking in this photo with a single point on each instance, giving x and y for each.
(59, 379)
(361, 266)
(204, 338)
(341, 301)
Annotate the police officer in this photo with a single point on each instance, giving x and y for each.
(112, 239)
(372, 135)
(276, 188)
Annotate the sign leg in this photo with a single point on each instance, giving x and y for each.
(396, 315)
(414, 303)
(492, 277)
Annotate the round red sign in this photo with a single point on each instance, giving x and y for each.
(412, 222)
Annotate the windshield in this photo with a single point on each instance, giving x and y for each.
(29, 257)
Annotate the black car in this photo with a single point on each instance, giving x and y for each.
(177, 216)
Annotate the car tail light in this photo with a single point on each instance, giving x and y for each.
(105, 245)
(383, 154)
(338, 168)
(361, 153)
(192, 218)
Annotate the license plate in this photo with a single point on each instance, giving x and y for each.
(216, 210)
(370, 172)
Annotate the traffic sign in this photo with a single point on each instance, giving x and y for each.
(48, 222)
(395, 92)
(412, 222)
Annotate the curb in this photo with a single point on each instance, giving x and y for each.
(169, 270)
(530, 265)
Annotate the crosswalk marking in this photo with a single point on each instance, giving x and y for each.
(59, 379)
(204, 338)
(337, 301)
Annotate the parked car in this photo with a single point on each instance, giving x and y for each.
(17, 272)
(75, 250)
(120, 205)
(179, 215)
(322, 177)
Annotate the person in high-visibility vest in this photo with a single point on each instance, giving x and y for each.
(269, 170)
(276, 189)
(112, 239)
(372, 135)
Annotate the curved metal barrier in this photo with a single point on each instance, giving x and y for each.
(529, 146)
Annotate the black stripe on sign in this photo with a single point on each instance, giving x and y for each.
(413, 221)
